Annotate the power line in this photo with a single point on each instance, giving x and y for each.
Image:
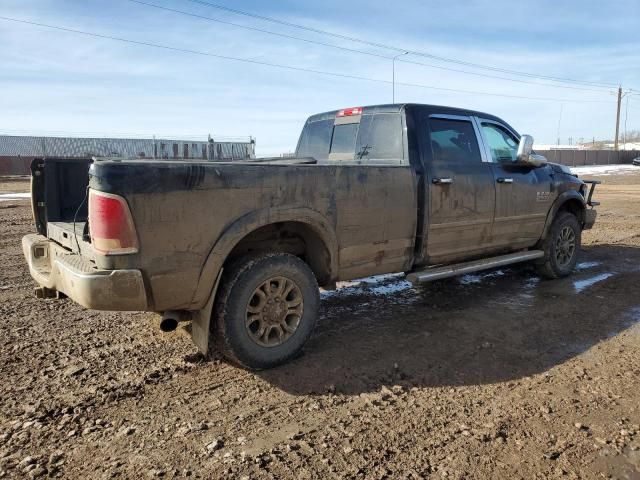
(632, 102)
(353, 50)
(287, 67)
(399, 49)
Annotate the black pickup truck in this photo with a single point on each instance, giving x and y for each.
(239, 249)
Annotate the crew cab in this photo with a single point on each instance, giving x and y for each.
(240, 249)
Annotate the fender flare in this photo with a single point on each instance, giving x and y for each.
(250, 222)
(557, 205)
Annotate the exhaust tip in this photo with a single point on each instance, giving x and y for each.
(44, 292)
(168, 324)
(171, 318)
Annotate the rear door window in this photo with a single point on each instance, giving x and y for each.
(380, 137)
(454, 141)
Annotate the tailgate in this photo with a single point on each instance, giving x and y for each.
(58, 197)
(71, 236)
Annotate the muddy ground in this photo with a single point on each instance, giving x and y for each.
(499, 375)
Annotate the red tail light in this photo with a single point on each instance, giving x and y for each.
(110, 224)
(347, 112)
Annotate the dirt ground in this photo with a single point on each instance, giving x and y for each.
(498, 375)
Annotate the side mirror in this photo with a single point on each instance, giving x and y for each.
(525, 147)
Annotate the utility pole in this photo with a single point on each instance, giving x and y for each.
(559, 120)
(393, 74)
(626, 115)
(615, 144)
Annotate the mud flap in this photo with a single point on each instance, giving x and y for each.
(589, 218)
(201, 321)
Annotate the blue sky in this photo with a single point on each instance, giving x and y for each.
(54, 81)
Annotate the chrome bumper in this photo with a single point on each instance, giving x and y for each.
(57, 269)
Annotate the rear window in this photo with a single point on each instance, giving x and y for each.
(344, 138)
(380, 137)
(375, 137)
(315, 139)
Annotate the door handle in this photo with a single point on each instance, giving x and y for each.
(504, 180)
(442, 181)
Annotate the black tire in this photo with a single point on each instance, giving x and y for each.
(240, 333)
(558, 261)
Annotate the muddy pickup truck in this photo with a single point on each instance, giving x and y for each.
(240, 249)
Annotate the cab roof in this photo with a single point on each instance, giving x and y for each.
(399, 107)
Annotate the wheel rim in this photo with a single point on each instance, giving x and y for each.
(565, 246)
(274, 311)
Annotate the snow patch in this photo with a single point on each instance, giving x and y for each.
(471, 279)
(392, 288)
(7, 197)
(580, 285)
(586, 265)
(532, 282)
(378, 285)
(604, 169)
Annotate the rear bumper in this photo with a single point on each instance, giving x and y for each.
(589, 218)
(55, 268)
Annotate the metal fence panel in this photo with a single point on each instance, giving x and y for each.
(29, 146)
(576, 158)
(18, 151)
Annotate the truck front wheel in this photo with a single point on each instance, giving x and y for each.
(561, 247)
(266, 309)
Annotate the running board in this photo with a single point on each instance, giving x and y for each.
(437, 273)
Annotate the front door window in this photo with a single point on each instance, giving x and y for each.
(502, 144)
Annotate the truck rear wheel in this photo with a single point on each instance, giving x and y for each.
(561, 247)
(266, 309)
